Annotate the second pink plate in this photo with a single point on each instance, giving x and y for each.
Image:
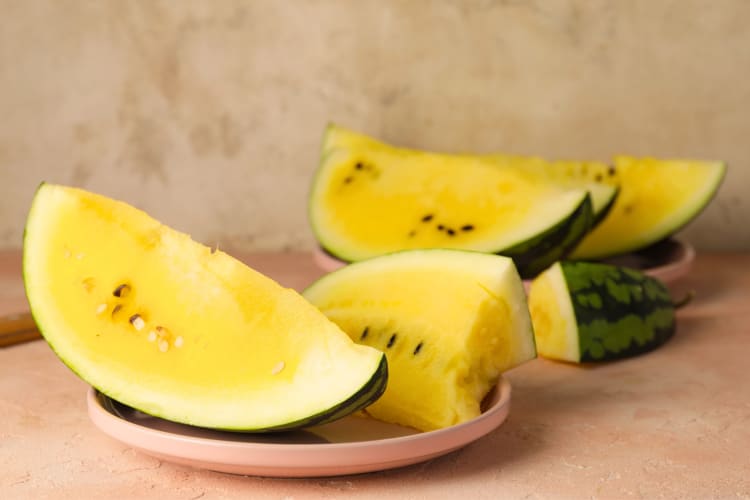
(348, 446)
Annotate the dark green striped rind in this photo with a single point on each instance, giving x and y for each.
(620, 312)
(538, 253)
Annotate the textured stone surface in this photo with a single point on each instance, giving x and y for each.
(209, 114)
(669, 424)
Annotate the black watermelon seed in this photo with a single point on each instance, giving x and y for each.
(348, 180)
(364, 333)
(467, 227)
(427, 218)
(440, 227)
(612, 171)
(451, 232)
(417, 349)
(412, 234)
(598, 178)
(116, 309)
(121, 291)
(358, 165)
(391, 341)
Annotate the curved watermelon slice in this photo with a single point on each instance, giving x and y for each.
(656, 199)
(450, 322)
(588, 311)
(165, 325)
(369, 199)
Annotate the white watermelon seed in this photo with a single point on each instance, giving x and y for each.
(277, 369)
(137, 322)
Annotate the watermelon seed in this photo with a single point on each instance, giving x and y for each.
(417, 349)
(277, 369)
(598, 178)
(163, 345)
(358, 165)
(101, 308)
(116, 309)
(364, 333)
(151, 336)
(440, 227)
(391, 341)
(178, 341)
(611, 171)
(412, 234)
(348, 180)
(137, 322)
(88, 284)
(627, 209)
(467, 227)
(451, 232)
(427, 218)
(80, 256)
(122, 290)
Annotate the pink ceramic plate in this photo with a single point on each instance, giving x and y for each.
(348, 446)
(668, 260)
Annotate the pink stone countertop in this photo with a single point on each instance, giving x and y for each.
(674, 423)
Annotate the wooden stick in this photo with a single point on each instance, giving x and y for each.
(17, 328)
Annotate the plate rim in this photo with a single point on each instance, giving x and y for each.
(299, 459)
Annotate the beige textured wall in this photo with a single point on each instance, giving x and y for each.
(209, 114)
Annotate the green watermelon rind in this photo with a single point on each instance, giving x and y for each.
(601, 213)
(538, 253)
(364, 397)
(620, 312)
